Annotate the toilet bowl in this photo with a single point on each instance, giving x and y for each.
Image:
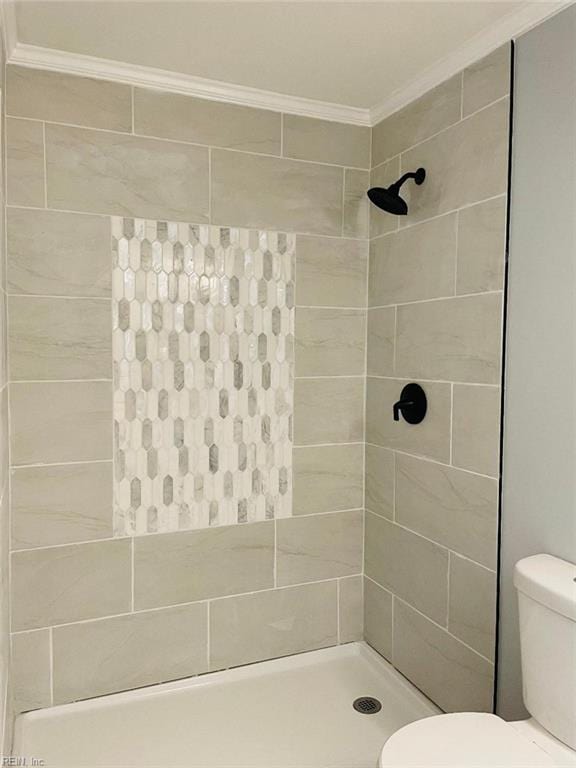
(547, 601)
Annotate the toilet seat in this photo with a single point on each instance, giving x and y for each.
(464, 740)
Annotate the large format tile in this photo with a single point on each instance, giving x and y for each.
(274, 623)
(70, 583)
(330, 272)
(58, 254)
(378, 618)
(327, 478)
(481, 247)
(356, 203)
(102, 172)
(350, 606)
(25, 163)
(472, 605)
(183, 567)
(58, 339)
(328, 410)
(379, 481)
(330, 342)
(448, 672)
(381, 333)
(476, 429)
(456, 339)
(255, 191)
(325, 141)
(411, 567)
(61, 504)
(183, 118)
(318, 547)
(61, 422)
(487, 80)
(384, 175)
(62, 98)
(30, 670)
(126, 652)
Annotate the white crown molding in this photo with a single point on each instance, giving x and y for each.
(8, 21)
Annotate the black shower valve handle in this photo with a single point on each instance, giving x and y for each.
(399, 406)
(412, 404)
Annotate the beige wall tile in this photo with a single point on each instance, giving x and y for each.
(381, 332)
(481, 247)
(30, 670)
(59, 254)
(59, 339)
(487, 80)
(61, 504)
(472, 605)
(457, 339)
(379, 479)
(328, 411)
(61, 98)
(328, 478)
(429, 438)
(350, 597)
(356, 203)
(330, 272)
(454, 508)
(453, 676)
(70, 583)
(378, 618)
(253, 191)
(194, 565)
(413, 264)
(411, 567)
(25, 163)
(330, 342)
(126, 652)
(465, 164)
(437, 109)
(382, 176)
(60, 422)
(103, 172)
(174, 116)
(274, 623)
(325, 141)
(318, 547)
(476, 429)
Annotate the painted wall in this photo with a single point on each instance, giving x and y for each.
(435, 316)
(539, 482)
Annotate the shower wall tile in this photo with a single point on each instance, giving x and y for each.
(472, 605)
(331, 272)
(328, 478)
(61, 98)
(476, 429)
(481, 247)
(182, 118)
(328, 410)
(382, 176)
(145, 177)
(325, 141)
(330, 342)
(25, 163)
(378, 618)
(381, 333)
(356, 203)
(351, 604)
(30, 670)
(379, 480)
(487, 80)
(274, 623)
(125, 652)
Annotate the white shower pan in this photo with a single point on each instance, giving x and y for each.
(294, 712)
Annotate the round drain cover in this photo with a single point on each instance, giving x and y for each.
(367, 705)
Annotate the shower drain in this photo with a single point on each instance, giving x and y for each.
(367, 705)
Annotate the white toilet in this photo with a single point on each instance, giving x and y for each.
(547, 601)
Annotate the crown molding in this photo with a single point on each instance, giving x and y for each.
(8, 22)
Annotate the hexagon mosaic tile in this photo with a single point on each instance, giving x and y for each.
(203, 375)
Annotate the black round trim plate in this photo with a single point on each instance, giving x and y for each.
(412, 404)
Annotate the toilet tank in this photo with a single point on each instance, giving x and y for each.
(547, 604)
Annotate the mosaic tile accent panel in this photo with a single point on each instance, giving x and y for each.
(203, 375)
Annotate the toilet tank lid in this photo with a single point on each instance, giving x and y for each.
(549, 581)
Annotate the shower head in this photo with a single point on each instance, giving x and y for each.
(388, 198)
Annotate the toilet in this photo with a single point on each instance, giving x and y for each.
(546, 589)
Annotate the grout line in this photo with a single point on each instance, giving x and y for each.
(16, 467)
(132, 107)
(45, 165)
(282, 134)
(431, 460)
(457, 239)
(434, 299)
(343, 201)
(208, 637)
(51, 671)
(461, 95)
(448, 590)
(336, 376)
(338, 611)
(132, 583)
(394, 484)
(451, 424)
(210, 185)
(428, 381)
(53, 296)
(15, 382)
(275, 564)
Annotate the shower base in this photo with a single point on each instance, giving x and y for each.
(294, 712)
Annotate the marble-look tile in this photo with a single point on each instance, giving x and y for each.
(472, 605)
(328, 411)
(327, 478)
(331, 272)
(58, 339)
(70, 583)
(350, 599)
(381, 334)
(356, 203)
(330, 342)
(413, 264)
(30, 670)
(25, 163)
(378, 618)
(186, 566)
(58, 254)
(200, 121)
(325, 141)
(456, 339)
(487, 80)
(62, 98)
(382, 176)
(430, 438)
(318, 547)
(408, 565)
(274, 623)
(457, 509)
(256, 191)
(61, 422)
(481, 247)
(102, 172)
(476, 429)
(444, 669)
(126, 652)
(61, 504)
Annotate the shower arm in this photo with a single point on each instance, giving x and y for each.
(410, 175)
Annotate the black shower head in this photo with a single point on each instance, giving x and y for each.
(388, 198)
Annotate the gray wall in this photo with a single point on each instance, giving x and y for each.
(539, 473)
